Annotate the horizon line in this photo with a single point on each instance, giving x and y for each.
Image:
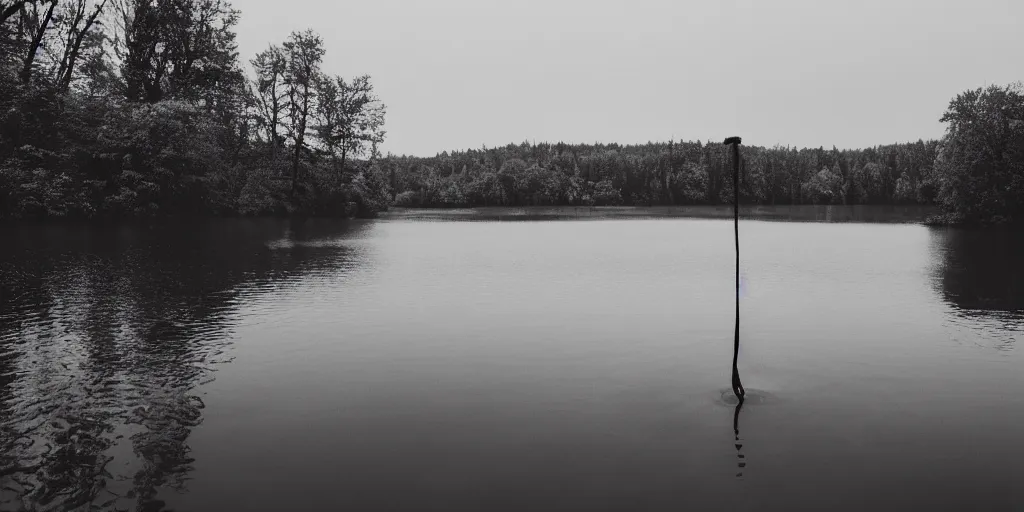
(705, 141)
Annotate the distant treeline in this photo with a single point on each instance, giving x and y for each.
(142, 107)
(672, 173)
(976, 172)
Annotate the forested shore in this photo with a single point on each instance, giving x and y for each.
(130, 108)
(884, 214)
(975, 174)
(137, 108)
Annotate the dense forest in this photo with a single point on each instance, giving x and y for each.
(976, 172)
(673, 173)
(143, 107)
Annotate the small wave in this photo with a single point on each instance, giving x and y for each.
(751, 396)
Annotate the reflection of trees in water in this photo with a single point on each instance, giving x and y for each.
(103, 334)
(979, 273)
(741, 459)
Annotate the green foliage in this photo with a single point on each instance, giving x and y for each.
(606, 195)
(657, 173)
(903, 191)
(408, 199)
(824, 187)
(170, 127)
(980, 167)
(181, 50)
(140, 107)
(349, 117)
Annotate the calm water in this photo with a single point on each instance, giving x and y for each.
(475, 366)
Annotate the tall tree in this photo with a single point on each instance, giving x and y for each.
(329, 113)
(305, 53)
(351, 117)
(981, 160)
(76, 23)
(38, 24)
(668, 168)
(271, 96)
(175, 48)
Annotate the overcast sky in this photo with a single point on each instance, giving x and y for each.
(459, 74)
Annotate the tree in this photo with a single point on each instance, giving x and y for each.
(874, 178)
(38, 24)
(76, 21)
(175, 49)
(271, 96)
(902, 191)
(350, 117)
(190, 137)
(305, 53)
(329, 113)
(980, 166)
(606, 195)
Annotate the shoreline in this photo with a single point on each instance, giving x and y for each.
(890, 214)
(879, 214)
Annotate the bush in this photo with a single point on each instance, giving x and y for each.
(606, 195)
(407, 199)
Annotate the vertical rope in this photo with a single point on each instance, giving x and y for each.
(737, 386)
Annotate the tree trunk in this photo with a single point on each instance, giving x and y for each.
(295, 163)
(300, 138)
(72, 58)
(37, 40)
(344, 156)
(666, 194)
(72, 31)
(11, 10)
(273, 127)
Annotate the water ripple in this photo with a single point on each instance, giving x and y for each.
(104, 335)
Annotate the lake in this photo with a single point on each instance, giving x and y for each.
(423, 363)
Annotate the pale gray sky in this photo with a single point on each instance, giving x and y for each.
(458, 74)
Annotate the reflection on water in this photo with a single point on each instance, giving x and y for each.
(104, 332)
(741, 458)
(409, 365)
(752, 397)
(802, 213)
(980, 274)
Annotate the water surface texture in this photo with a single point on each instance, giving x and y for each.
(409, 364)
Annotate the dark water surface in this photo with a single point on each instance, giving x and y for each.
(802, 213)
(474, 366)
